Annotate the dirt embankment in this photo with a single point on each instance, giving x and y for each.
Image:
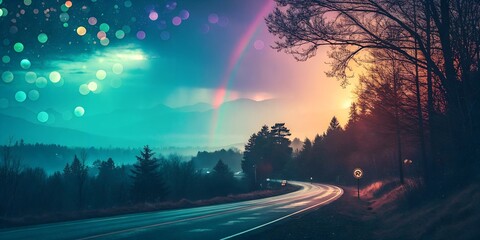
(386, 211)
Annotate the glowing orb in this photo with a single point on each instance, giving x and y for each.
(42, 117)
(27, 2)
(7, 76)
(64, 17)
(171, 5)
(79, 111)
(126, 29)
(18, 47)
(127, 4)
(64, 8)
(104, 41)
(213, 18)
(25, 64)
(101, 74)
(55, 77)
(41, 82)
(92, 21)
(184, 14)
(153, 15)
(33, 95)
(5, 12)
(13, 29)
(30, 77)
(81, 30)
(104, 27)
(65, 25)
(101, 35)
(92, 86)
(83, 89)
(1, 12)
(141, 35)
(120, 34)
(20, 96)
(42, 38)
(5, 59)
(68, 4)
(176, 21)
(259, 44)
(117, 68)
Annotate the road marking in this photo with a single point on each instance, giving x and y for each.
(201, 230)
(181, 220)
(289, 215)
(293, 205)
(231, 222)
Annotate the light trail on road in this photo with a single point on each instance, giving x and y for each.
(224, 221)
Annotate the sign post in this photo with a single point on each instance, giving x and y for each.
(358, 173)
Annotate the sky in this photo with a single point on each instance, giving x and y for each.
(93, 57)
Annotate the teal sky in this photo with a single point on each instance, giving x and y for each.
(173, 53)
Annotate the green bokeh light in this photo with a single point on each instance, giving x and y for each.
(101, 74)
(33, 95)
(25, 64)
(18, 47)
(79, 111)
(5, 12)
(42, 38)
(117, 68)
(120, 34)
(55, 77)
(42, 117)
(64, 8)
(5, 59)
(30, 77)
(41, 82)
(7, 76)
(20, 96)
(104, 27)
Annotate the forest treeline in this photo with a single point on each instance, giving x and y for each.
(27, 191)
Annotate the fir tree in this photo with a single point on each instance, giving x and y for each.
(148, 184)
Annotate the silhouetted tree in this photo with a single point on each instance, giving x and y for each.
(266, 153)
(440, 37)
(179, 177)
(222, 179)
(76, 175)
(148, 184)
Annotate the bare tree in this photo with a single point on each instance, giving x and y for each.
(436, 36)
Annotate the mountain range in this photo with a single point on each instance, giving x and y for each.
(196, 125)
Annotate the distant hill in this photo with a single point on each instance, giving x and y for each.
(199, 107)
(33, 133)
(160, 126)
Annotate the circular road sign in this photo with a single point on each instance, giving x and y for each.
(357, 173)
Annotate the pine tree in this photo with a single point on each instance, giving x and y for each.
(148, 184)
(222, 170)
(266, 153)
(334, 125)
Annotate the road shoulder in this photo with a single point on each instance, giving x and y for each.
(346, 218)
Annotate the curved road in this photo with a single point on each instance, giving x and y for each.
(223, 221)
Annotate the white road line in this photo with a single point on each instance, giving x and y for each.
(289, 215)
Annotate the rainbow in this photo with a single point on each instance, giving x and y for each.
(220, 94)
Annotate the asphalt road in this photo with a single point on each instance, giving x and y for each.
(223, 221)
